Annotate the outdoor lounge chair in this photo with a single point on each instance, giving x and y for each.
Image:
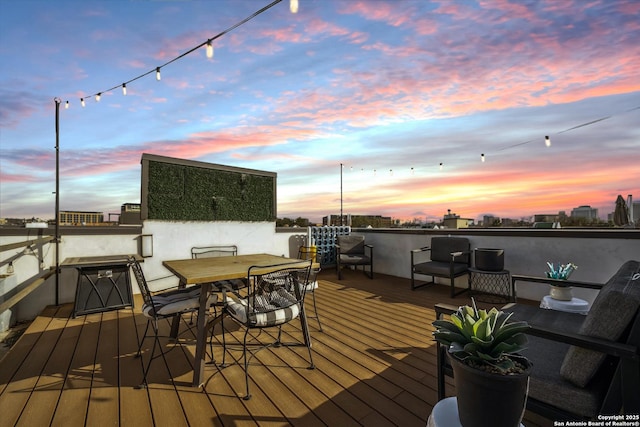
(352, 250)
(450, 257)
(583, 366)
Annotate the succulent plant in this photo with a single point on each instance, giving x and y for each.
(483, 339)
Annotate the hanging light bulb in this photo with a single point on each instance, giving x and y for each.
(391, 172)
(82, 101)
(98, 95)
(158, 76)
(124, 89)
(482, 157)
(10, 269)
(293, 6)
(547, 141)
(66, 105)
(441, 166)
(209, 50)
(412, 171)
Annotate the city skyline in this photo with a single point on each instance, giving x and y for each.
(429, 105)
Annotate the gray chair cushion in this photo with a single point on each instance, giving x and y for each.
(612, 311)
(351, 244)
(438, 268)
(175, 302)
(441, 248)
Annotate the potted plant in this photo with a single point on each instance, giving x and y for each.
(559, 290)
(491, 378)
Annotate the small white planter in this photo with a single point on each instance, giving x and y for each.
(562, 293)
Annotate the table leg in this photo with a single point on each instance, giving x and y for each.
(201, 340)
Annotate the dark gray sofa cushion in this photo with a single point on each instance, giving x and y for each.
(611, 313)
(546, 384)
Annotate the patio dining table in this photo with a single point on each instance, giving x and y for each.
(203, 271)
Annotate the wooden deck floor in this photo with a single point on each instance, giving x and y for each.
(375, 366)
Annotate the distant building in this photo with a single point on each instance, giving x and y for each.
(361, 221)
(451, 220)
(546, 218)
(585, 211)
(490, 221)
(80, 218)
(130, 214)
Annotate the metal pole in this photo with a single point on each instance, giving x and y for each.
(341, 194)
(57, 218)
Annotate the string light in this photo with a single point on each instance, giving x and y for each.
(98, 97)
(66, 105)
(82, 101)
(547, 141)
(209, 50)
(124, 89)
(158, 76)
(482, 157)
(293, 6)
(441, 166)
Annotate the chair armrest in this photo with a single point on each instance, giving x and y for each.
(613, 348)
(426, 248)
(548, 281)
(443, 308)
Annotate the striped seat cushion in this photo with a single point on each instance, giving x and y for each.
(229, 285)
(270, 309)
(175, 302)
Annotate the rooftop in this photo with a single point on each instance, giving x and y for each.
(375, 365)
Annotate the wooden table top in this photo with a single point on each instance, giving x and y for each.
(204, 270)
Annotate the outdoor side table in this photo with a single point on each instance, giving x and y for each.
(491, 286)
(103, 284)
(576, 305)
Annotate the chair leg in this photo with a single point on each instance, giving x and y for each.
(304, 325)
(156, 341)
(453, 287)
(224, 342)
(246, 365)
(315, 310)
(144, 336)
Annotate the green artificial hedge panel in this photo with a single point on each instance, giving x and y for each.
(187, 193)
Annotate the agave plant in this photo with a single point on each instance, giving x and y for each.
(482, 338)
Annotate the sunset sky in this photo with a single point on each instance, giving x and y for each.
(406, 94)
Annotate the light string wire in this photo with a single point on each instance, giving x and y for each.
(483, 156)
(156, 69)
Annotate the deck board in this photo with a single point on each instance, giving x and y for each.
(375, 365)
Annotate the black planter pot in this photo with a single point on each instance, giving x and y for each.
(489, 259)
(486, 399)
